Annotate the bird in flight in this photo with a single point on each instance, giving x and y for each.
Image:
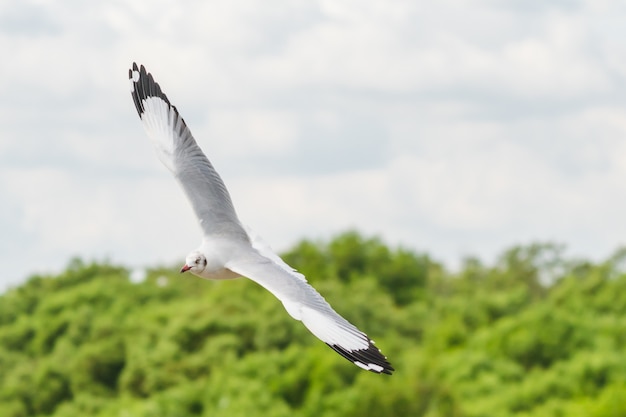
(229, 250)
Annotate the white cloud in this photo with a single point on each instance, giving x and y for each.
(452, 127)
(258, 131)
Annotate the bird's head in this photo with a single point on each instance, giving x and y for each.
(195, 262)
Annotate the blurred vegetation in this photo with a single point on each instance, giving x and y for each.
(535, 334)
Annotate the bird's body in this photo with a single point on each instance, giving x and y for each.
(229, 250)
(217, 253)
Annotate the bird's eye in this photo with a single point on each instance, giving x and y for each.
(197, 261)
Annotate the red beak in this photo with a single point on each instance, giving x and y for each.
(185, 268)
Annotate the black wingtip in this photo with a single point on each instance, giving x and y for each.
(370, 359)
(144, 86)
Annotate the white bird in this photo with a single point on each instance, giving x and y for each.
(228, 250)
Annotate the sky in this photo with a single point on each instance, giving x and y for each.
(454, 128)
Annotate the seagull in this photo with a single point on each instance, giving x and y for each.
(230, 250)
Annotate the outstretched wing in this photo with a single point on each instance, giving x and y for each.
(179, 152)
(304, 303)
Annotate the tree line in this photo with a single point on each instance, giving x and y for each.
(533, 334)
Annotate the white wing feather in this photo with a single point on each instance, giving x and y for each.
(304, 303)
(180, 153)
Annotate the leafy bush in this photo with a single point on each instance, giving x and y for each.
(535, 334)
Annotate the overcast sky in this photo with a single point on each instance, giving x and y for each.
(456, 128)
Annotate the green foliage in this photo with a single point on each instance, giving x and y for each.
(535, 334)
(349, 257)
